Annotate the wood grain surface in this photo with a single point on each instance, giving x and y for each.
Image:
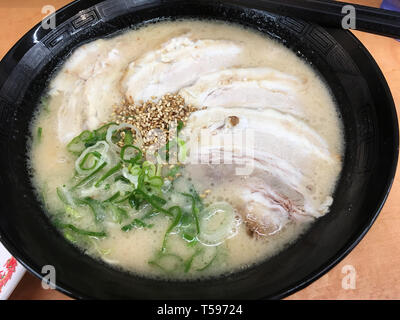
(376, 260)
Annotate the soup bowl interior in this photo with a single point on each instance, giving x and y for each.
(365, 106)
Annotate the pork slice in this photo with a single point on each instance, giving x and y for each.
(281, 186)
(177, 64)
(256, 88)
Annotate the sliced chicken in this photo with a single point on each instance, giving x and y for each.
(177, 64)
(282, 156)
(256, 88)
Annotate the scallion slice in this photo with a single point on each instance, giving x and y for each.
(96, 207)
(39, 134)
(81, 231)
(115, 128)
(65, 196)
(89, 177)
(89, 157)
(149, 169)
(167, 262)
(156, 182)
(131, 154)
(128, 139)
(77, 145)
(154, 202)
(118, 213)
(177, 212)
(195, 210)
(137, 224)
(115, 196)
(218, 222)
(108, 174)
(97, 154)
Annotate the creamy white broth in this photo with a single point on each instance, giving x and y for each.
(106, 61)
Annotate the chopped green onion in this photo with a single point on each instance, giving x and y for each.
(154, 202)
(135, 201)
(182, 154)
(108, 174)
(45, 103)
(97, 154)
(113, 197)
(77, 145)
(128, 139)
(140, 182)
(180, 126)
(133, 179)
(96, 207)
(82, 232)
(173, 171)
(218, 222)
(195, 210)
(70, 236)
(167, 262)
(83, 181)
(156, 199)
(135, 170)
(118, 214)
(137, 223)
(88, 157)
(125, 198)
(156, 182)
(188, 263)
(149, 169)
(100, 134)
(150, 214)
(137, 154)
(173, 225)
(113, 135)
(122, 178)
(72, 212)
(142, 188)
(208, 256)
(196, 196)
(65, 196)
(39, 134)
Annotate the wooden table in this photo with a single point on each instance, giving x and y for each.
(376, 259)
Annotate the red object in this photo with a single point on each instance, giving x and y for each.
(6, 275)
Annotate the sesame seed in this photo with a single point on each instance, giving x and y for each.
(150, 115)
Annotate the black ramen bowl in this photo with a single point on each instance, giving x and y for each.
(365, 105)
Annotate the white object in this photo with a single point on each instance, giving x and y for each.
(179, 63)
(11, 272)
(253, 88)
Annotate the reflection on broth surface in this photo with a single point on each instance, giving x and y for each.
(185, 149)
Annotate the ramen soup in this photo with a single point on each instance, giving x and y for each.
(185, 149)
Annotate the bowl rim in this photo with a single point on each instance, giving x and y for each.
(78, 5)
